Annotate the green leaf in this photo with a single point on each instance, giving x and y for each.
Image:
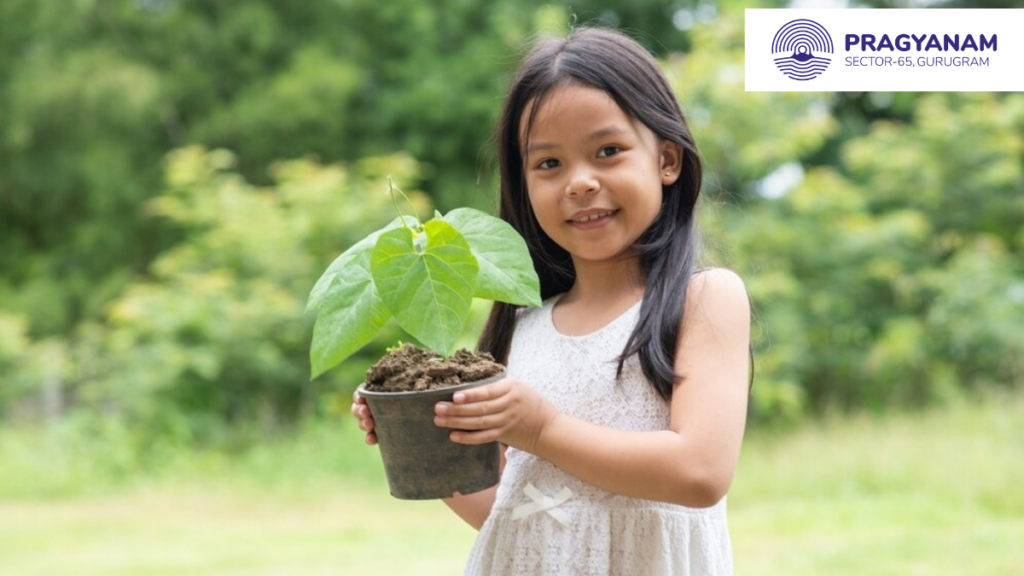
(350, 316)
(346, 260)
(506, 269)
(430, 292)
(350, 312)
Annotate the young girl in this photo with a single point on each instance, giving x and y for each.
(624, 408)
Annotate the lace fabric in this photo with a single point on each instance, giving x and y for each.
(602, 533)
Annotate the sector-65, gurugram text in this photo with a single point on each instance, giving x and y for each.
(922, 43)
(921, 61)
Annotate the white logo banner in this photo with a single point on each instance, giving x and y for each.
(865, 50)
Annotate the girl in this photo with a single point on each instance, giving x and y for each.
(624, 408)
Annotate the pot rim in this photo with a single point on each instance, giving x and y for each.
(437, 391)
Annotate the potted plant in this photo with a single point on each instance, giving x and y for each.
(425, 276)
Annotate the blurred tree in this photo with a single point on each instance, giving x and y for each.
(896, 277)
(857, 241)
(97, 91)
(882, 247)
(215, 337)
(14, 347)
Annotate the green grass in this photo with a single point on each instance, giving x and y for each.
(907, 494)
(929, 494)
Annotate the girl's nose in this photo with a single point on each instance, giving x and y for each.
(580, 183)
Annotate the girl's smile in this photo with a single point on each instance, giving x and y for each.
(587, 219)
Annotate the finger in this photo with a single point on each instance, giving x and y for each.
(487, 400)
(481, 408)
(482, 437)
(491, 391)
(371, 438)
(468, 422)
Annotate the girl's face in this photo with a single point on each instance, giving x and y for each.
(586, 157)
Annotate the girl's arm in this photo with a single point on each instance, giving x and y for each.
(476, 507)
(692, 463)
(473, 508)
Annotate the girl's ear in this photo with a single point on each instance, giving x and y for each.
(671, 162)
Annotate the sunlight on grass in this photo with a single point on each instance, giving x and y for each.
(925, 494)
(318, 505)
(907, 494)
(170, 532)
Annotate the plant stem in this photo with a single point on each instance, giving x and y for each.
(391, 190)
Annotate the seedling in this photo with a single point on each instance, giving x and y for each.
(424, 275)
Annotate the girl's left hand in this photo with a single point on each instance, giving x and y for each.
(508, 411)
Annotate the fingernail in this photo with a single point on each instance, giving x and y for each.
(441, 408)
(459, 397)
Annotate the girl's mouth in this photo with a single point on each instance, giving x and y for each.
(593, 221)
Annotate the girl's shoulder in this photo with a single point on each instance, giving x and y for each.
(718, 293)
(715, 276)
(720, 283)
(719, 271)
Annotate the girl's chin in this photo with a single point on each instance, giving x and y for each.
(602, 255)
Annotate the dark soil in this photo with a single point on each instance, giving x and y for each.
(412, 368)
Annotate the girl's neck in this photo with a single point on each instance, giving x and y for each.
(606, 282)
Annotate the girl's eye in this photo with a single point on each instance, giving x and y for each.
(609, 151)
(548, 164)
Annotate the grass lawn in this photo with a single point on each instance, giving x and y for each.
(927, 494)
(933, 494)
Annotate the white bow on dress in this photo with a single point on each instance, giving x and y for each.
(543, 503)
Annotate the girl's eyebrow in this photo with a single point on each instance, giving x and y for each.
(606, 131)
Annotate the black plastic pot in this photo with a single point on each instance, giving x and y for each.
(420, 461)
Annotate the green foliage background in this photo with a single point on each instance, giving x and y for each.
(175, 175)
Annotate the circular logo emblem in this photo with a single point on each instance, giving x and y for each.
(802, 49)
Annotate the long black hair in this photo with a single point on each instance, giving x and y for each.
(610, 61)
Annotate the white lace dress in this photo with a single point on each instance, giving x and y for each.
(546, 522)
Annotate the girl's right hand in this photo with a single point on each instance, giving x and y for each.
(362, 413)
